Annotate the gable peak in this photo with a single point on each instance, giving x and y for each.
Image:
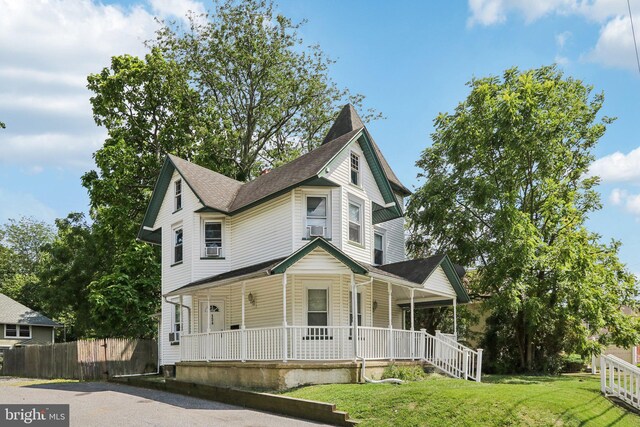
(347, 121)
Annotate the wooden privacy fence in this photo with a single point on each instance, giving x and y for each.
(83, 360)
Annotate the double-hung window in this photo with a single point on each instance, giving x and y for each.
(378, 248)
(177, 245)
(355, 222)
(316, 216)
(212, 239)
(17, 331)
(178, 195)
(355, 169)
(317, 312)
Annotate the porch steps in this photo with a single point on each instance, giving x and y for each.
(284, 405)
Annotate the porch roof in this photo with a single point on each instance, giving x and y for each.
(411, 274)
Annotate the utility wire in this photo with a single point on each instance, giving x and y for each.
(633, 32)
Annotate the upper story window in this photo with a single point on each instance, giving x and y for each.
(378, 248)
(355, 169)
(177, 245)
(317, 219)
(355, 222)
(212, 239)
(17, 331)
(178, 195)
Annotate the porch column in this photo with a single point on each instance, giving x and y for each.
(182, 325)
(208, 312)
(391, 342)
(413, 319)
(284, 317)
(455, 319)
(354, 315)
(243, 332)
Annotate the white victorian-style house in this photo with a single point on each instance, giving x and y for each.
(258, 278)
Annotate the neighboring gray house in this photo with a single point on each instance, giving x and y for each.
(20, 325)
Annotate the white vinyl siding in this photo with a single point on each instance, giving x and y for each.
(394, 237)
(439, 283)
(261, 233)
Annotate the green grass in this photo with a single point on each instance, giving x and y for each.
(568, 400)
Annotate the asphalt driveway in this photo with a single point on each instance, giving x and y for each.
(107, 404)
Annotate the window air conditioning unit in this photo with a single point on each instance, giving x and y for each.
(213, 251)
(316, 231)
(174, 337)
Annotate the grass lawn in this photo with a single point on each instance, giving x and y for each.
(568, 400)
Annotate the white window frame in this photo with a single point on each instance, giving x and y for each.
(177, 195)
(174, 231)
(324, 287)
(382, 233)
(203, 244)
(17, 335)
(305, 231)
(353, 155)
(360, 204)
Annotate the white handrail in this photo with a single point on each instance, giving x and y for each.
(620, 379)
(320, 343)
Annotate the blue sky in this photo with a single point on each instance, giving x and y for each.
(410, 58)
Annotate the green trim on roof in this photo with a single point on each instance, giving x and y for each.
(450, 271)
(318, 242)
(382, 214)
(376, 169)
(313, 181)
(157, 197)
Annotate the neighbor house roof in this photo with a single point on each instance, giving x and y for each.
(414, 271)
(12, 312)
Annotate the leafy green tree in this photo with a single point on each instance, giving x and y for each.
(507, 189)
(264, 97)
(21, 243)
(235, 92)
(2, 125)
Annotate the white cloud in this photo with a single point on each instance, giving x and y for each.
(617, 196)
(15, 205)
(48, 48)
(614, 47)
(618, 167)
(561, 39)
(633, 204)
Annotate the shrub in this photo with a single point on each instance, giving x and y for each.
(405, 373)
(572, 363)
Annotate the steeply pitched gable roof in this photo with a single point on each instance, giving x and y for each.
(12, 312)
(213, 189)
(348, 120)
(217, 192)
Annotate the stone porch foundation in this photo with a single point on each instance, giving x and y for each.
(280, 375)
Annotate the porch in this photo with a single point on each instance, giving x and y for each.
(300, 310)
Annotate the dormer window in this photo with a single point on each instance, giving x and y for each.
(355, 169)
(316, 220)
(178, 195)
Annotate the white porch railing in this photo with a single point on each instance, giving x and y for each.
(620, 379)
(305, 343)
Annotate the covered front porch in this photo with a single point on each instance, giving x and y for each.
(301, 312)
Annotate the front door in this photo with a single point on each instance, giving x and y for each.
(216, 316)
